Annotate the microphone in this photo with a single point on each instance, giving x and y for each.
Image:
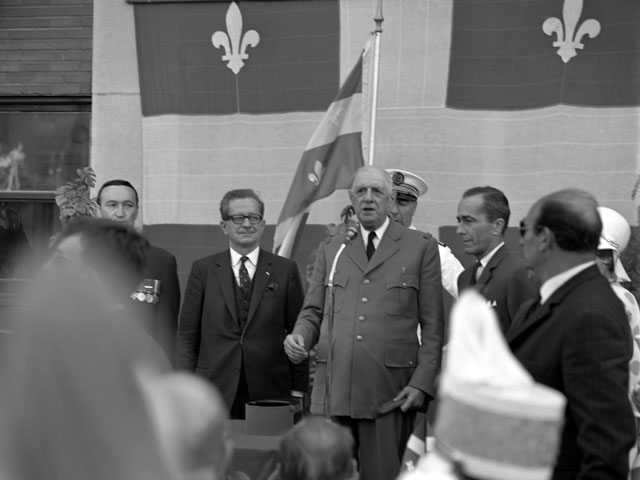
(352, 232)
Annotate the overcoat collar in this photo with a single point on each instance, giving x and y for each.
(386, 248)
(534, 313)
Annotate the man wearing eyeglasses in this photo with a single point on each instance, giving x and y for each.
(239, 305)
(498, 275)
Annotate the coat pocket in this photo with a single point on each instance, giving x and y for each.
(401, 354)
(401, 297)
(339, 293)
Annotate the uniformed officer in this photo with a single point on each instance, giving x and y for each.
(407, 187)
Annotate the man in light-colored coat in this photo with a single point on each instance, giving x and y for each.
(372, 372)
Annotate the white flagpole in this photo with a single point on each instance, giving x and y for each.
(376, 66)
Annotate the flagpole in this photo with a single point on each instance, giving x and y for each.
(376, 66)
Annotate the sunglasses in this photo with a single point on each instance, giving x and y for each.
(523, 228)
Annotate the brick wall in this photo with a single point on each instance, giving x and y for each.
(45, 47)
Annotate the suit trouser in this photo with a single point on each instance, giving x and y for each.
(237, 410)
(380, 442)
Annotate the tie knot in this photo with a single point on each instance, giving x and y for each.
(372, 236)
(243, 259)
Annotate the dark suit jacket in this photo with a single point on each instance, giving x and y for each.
(211, 342)
(504, 282)
(160, 320)
(579, 343)
(377, 307)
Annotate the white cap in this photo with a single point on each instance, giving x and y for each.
(615, 235)
(407, 183)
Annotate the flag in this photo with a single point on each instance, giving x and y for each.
(461, 126)
(509, 54)
(330, 159)
(230, 93)
(224, 57)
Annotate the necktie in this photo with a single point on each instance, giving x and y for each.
(371, 248)
(474, 272)
(245, 279)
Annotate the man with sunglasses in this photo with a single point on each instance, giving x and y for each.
(575, 336)
(239, 305)
(498, 275)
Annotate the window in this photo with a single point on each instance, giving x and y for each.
(43, 141)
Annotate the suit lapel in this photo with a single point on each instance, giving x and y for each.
(487, 272)
(260, 280)
(355, 250)
(534, 316)
(226, 279)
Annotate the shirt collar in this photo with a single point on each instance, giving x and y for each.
(252, 256)
(554, 283)
(484, 261)
(379, 231)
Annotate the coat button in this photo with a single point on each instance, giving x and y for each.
(361, 318)
(367, 281)
(365, 299)
(359, 338)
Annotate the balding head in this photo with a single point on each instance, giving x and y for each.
(561, 231)
(191, 420)
(572, 216)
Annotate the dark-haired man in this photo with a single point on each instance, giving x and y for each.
(576, 338)
(499, 276)
(156, 300)
(239, 305)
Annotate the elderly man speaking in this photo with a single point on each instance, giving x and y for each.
(364, 303)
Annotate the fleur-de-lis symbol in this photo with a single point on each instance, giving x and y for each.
(567, 41)
(235, 44)
(316, 176)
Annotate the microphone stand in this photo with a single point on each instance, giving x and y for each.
(352, 232)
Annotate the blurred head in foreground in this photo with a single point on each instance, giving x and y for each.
(114, 252)
(191, 421)
(71, 407)
(317, 449)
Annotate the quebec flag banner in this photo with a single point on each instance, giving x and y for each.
(501, 56)
(228, 91)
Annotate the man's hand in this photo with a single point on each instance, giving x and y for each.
(294, 348)
(414, 398)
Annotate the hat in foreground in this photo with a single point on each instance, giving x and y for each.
(493, 422)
